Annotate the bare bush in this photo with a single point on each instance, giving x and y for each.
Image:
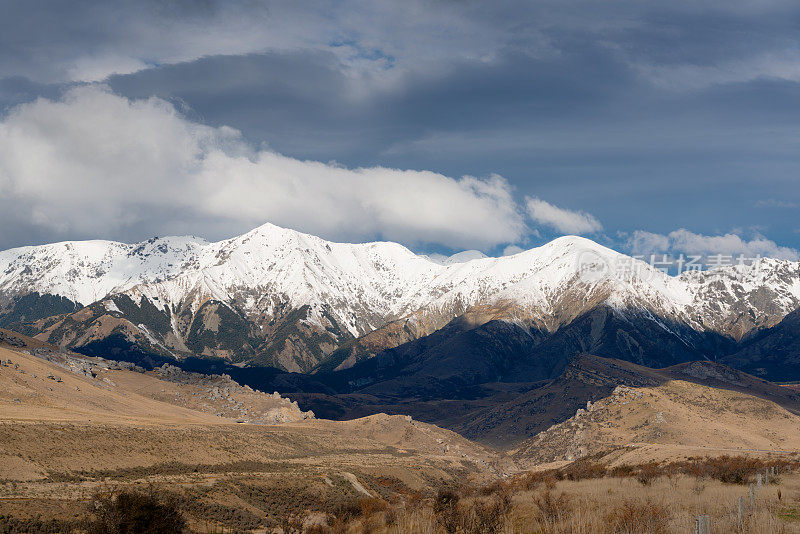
(490, 514)
(133, 512)
(648, 472)
(551, 509)
(728, 469)
(448, 514)
(638, 518)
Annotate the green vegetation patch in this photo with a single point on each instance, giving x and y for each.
(790, 515)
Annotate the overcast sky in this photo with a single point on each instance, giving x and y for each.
(445, 125)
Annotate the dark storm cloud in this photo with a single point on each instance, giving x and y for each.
(17, 89)
(648, 115)
(302, 102)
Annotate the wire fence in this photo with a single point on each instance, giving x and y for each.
(745, 505)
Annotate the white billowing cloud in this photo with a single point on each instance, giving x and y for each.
(465, 256)
(690, 243)
(94, 162)
(562, 220)
(94, 68)
(510, 250)
(644, 243)
(730, 244)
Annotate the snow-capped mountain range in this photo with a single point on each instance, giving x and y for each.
(286, 298)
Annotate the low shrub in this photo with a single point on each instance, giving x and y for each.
(17, 525)
(472, 510)
(729, 469)
(490, 513)
(582, 469)
(637, 518)
(551, 509)
(648, 472)
(133, 512)
(448, 514)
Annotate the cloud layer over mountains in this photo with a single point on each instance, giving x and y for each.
(611, 116)
(96, 163)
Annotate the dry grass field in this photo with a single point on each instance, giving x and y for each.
(75, 446)
(612, 506)
(65, 438)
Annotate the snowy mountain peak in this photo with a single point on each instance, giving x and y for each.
(345, 289)
(384, 276)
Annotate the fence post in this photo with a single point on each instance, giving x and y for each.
(702, 525)
(740, 511)
(766, 476)
(752, 496)
(772, 470)
(758, 481)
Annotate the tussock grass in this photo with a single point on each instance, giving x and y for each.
(727, 469)
(586, 496)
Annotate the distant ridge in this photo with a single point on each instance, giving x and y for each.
(282, 298)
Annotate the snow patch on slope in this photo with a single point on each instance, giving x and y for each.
(365, 285)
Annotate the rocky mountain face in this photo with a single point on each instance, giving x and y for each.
(774, 352)
(276, 297)
(506, 412)
(615, 403)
